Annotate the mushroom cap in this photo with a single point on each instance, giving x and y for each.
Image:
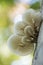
(19, 27)
(32, 16)
(18, 47)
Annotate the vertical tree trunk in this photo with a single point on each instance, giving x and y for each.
(38, 57)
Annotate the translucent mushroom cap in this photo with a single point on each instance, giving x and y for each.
(32, 15)
(19, 27)
(18, 47)
(25, 33)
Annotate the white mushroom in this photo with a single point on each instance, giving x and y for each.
(26, 33)
(19, 28)
(18, 47)
(31, 16)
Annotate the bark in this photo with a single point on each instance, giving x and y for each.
(38, 57)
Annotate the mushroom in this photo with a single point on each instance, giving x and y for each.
(18, 47)
(26, 33)
(19, 27)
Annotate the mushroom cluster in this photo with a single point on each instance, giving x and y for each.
(25, 33)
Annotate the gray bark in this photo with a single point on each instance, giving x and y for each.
(38, 57)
